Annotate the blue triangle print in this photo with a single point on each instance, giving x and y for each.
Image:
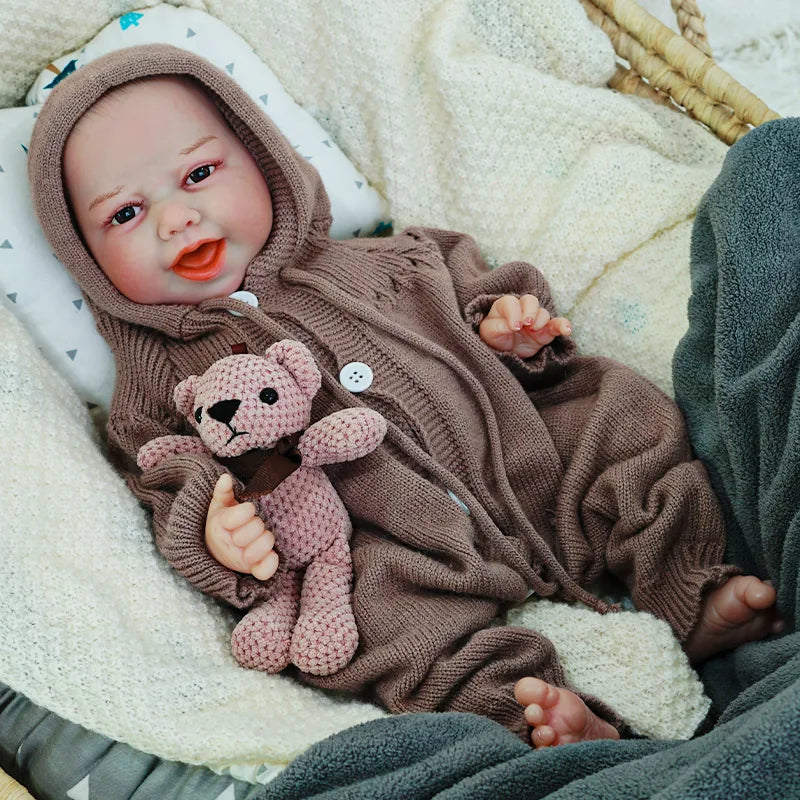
(77, 304)
(6, 245)
(229, 67)
(12, 297)
(190, 33)
(327, 143)
(264, 98)
(72, 354)
(130, 19)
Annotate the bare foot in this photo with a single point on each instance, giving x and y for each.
(559, 716)
(741, 610)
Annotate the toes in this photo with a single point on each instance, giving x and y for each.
(543, 736)
(757, 594)
(530, 691)
(534, 715)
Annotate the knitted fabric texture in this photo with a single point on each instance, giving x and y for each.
(246, 402)
(602, 478)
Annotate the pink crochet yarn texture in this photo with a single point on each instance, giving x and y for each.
(246, 402)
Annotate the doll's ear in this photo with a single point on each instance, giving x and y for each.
(296, 358)
(184, 396)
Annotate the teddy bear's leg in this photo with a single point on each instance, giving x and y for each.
(325, 637)
(263, 637)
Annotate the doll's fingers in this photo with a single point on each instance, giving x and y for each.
(529, 308)
(541, 319)
(508, 308)
(222, 496)
(249, 532)
(236, 516)
(495, 332)
(258, 550)
(559, 326)
(265, 568)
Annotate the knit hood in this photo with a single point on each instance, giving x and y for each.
(301, 210)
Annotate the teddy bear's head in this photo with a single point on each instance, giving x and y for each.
(244, 402)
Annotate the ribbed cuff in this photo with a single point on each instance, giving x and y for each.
(678, 597)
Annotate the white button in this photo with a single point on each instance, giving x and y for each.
(245, 297)
(356, 376)
(459, 502)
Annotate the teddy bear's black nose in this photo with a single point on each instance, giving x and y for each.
(224, 410)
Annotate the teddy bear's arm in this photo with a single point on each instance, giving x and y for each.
(156, 450)
(342, 436)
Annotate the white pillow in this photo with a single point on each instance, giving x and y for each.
(36, 286)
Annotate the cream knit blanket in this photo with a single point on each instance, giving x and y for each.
(484, 117)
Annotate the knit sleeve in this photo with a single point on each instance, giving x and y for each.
(178, 490)
(477, 287)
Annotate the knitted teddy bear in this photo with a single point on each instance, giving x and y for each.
(249, 406)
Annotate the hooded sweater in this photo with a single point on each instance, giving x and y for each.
(498, 477)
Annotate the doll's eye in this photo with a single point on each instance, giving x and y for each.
(198, 414)
(125, 214)
(268, 396)
(201, 173)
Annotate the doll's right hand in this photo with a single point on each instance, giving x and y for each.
(236, 536)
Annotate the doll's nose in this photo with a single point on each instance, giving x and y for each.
(224, 410)
(176, 218)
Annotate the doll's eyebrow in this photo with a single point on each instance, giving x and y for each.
(101, 198)
(199, 143)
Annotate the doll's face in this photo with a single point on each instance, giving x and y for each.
(171, 204)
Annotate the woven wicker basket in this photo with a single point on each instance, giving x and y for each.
(675, 70)
(11, 790)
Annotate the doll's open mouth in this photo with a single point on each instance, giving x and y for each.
(201, 261)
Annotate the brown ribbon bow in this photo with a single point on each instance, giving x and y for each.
(262, 471)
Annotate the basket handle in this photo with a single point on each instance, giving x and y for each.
(677, 73)
(692, 24)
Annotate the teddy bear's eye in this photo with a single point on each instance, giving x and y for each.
(268, 395)
(198, 414)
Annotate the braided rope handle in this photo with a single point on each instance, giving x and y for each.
(692, 24)
(678, 73)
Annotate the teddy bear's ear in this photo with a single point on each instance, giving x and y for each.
(184, 396)
(297, 359)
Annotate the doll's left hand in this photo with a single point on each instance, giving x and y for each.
(519, 325)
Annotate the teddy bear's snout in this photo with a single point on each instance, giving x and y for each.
(224, 410)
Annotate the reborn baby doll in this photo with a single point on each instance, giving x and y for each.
(510, 465)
